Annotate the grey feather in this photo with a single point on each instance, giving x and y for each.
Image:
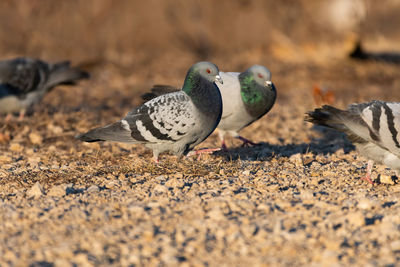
(112, 132)
(158, 90)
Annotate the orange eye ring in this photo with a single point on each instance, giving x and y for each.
(260, 75)
(208, 71)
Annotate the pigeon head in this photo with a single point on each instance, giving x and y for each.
(257, 90)
(207, 70)
(261, 75)
(200, 86)
(204, 70)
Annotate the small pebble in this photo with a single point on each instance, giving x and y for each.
(160, 178)
(36, 191)
(246, 172)
(364, 204)
(93, 189)
(57, 191)
(35, 138)
(15, 147)
(395, 245)
(356, 218)
(160, 188)
(386, 179)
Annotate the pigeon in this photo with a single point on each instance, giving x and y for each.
(373, 128)
(246, 96)
(174, 122)
(24, 82)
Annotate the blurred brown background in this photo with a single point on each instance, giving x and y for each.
(135, 44)
(133, 32)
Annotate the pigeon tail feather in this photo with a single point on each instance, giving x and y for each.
(328, 116)
(341, 120)
(112, 132)
(62, 73)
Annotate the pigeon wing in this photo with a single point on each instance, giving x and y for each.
(23, 75)
(158, 90)
(166, 118)
(383, 120)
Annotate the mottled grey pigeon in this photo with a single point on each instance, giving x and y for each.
(373, 127)
(246, 96)
(24, 82)
(174, 122)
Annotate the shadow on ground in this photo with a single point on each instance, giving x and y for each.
(330, 142)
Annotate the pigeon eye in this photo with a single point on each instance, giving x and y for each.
(260, 75)
(208, 71)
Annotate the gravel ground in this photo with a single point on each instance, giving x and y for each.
(296, 199)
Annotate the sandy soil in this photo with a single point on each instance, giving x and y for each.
(296, 199)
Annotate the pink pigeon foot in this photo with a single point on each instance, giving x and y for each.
(21, 115)
(8, 118)
(155, 158)
(367, 177)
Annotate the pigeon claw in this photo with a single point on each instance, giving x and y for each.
(367, 178)
(223, 146)
(246, 142)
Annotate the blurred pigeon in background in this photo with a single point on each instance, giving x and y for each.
(174, 122)
(24, 82)
(373, 127)
(246, 96)
(387, 57)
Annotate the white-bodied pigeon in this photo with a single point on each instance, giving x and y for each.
(373, 128)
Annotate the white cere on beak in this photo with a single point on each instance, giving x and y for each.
(219, 79)
(268, 83)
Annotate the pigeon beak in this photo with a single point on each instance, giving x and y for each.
(268, 83)
(219, 79)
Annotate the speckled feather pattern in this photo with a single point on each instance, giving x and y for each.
(167, 117)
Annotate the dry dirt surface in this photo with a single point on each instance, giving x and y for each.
(294, 200)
